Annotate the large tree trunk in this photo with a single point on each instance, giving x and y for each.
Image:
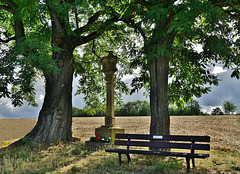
(159, 70)
(55, 118)
(160, 121)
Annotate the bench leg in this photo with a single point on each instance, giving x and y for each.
(188, 165)
(193, 163)
(120, 159)
(128, 156)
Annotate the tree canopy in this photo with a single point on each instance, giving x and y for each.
(229, 108)
(40, 38)
(217, 111)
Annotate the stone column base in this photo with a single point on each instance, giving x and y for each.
(109, 132)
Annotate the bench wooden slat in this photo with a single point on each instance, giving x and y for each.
(163, 145)
(191, 143)
(160, 153)
(164, 137)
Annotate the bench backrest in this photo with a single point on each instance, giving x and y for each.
(164, 141)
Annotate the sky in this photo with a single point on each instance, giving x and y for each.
(227, 90)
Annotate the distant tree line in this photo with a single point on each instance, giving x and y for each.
(136, 108)
(191, 107)
(229, 109)
(142, 108)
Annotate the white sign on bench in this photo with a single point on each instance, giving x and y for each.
(157, 137)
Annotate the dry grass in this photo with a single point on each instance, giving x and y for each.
(74, 158)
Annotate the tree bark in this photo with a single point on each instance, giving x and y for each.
(160, 121)
(55, 118)
(159, 70)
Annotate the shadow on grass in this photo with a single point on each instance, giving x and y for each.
(102, 162)
(75, 157)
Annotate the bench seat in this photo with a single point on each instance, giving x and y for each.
(163, 144)
(154, 152)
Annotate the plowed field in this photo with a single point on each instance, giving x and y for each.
(224, 130)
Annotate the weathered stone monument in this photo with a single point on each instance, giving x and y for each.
(109, 68)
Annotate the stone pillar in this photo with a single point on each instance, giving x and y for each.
(109, 68)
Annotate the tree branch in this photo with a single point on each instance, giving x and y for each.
(91, 20)
(7, 8)
(104, 27)
(55, 20)
(79, 40)
(222, 3)
(11, 5)
(130, 22)
(18, 23)
(234, 16)
(76, 17)
(144, 3)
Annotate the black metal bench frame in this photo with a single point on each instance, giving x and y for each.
(166, 142)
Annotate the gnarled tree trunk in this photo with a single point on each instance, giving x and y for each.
(55, 118)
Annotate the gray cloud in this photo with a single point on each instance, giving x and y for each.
(227, 90)
(135, 96)
(77, 101)
(8, 111)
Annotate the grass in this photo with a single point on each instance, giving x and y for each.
(101, 162)
(37, 159)
(76, 158)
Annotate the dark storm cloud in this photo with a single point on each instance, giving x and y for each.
(227, 90)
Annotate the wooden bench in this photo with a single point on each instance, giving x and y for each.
(166, 142)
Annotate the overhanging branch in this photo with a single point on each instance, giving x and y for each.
(223, 3)
(233, 14)
(86, 27)
(144, 3)
(129, 21)
(7, 8)
(79, 40)
(18, 23)
(11, 5)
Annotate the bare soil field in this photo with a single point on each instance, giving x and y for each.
(11, 129)
(223, 130)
